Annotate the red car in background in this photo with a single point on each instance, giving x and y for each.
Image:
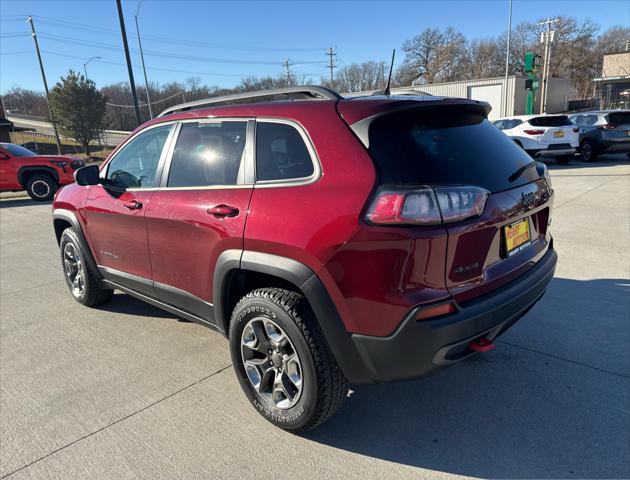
(39, 175)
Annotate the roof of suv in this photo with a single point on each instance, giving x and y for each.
(352, 109)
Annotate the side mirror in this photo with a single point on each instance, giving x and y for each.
(87, 175)
(4, 156)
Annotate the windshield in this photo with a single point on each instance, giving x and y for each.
(437, 146)
(555, 121)
(17, 150)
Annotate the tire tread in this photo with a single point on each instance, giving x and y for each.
(332, 384)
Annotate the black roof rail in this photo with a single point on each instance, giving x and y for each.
(305, 91)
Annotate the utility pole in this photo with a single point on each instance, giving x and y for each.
(41, 68)
(507, 63)
(287, 65)
(144, 70)
(546, 38)
(129, 69)
(331, 64)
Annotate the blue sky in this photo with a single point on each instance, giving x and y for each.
(226, 40)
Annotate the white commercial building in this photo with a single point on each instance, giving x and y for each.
(493, 91)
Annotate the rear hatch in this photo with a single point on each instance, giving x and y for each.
(618, 127)
(448, 150)
(557, 129)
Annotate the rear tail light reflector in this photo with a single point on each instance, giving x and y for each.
(436, 311)
(534, 132)
(426, 206)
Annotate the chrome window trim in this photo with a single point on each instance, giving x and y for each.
(161, 161)
(293, 182)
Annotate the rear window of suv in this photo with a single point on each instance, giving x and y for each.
(619, 118)
(555, 121)
(428, 146)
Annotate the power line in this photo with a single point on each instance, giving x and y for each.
(160, 69)
(74, 41)
(146, 104)
(178, 41)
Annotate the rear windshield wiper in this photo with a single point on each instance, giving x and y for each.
(521, 171)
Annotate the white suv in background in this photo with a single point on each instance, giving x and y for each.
(542, 135)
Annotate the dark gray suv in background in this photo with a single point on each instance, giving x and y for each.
(605, 131)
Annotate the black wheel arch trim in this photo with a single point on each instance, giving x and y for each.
(298, 274)
(35, 169)
(70, 217)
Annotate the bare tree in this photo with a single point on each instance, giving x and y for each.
(358, 77)
(434, 56)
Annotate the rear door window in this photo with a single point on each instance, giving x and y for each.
(208, 154)
(428, 146)
(281, 153)
(551, 121)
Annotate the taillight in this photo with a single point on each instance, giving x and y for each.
(608, 126)
(534, 132)
(426, 206)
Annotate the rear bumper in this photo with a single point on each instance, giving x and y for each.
(418, 348)
(556, 152)
(621, 145)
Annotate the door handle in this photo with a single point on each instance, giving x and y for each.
(223, 211)
(133, 205)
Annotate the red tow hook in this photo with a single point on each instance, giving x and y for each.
(481, 345)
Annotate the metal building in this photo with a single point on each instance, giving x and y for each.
(491, 90)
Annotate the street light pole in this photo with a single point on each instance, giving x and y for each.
(41, 68)
(85, 65)
(144, 70)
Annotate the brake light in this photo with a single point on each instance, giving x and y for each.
(534, 132)
(426, 206)
(608, 126)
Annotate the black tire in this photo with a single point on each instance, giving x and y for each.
(323, 386)
(564, 159)
(41, 187)
(91, 294)
(587, 151)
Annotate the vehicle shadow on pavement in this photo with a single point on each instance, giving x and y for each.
(606, 160)
(21, 202)
(128, 305)
(524, 410)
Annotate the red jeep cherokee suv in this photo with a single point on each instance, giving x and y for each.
(39, 175)
(331, 240)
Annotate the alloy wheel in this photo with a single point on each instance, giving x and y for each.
(271, 362)
(586, 152)
(40, 189)
(74, 269)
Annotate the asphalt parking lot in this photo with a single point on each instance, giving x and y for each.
(129, 391)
